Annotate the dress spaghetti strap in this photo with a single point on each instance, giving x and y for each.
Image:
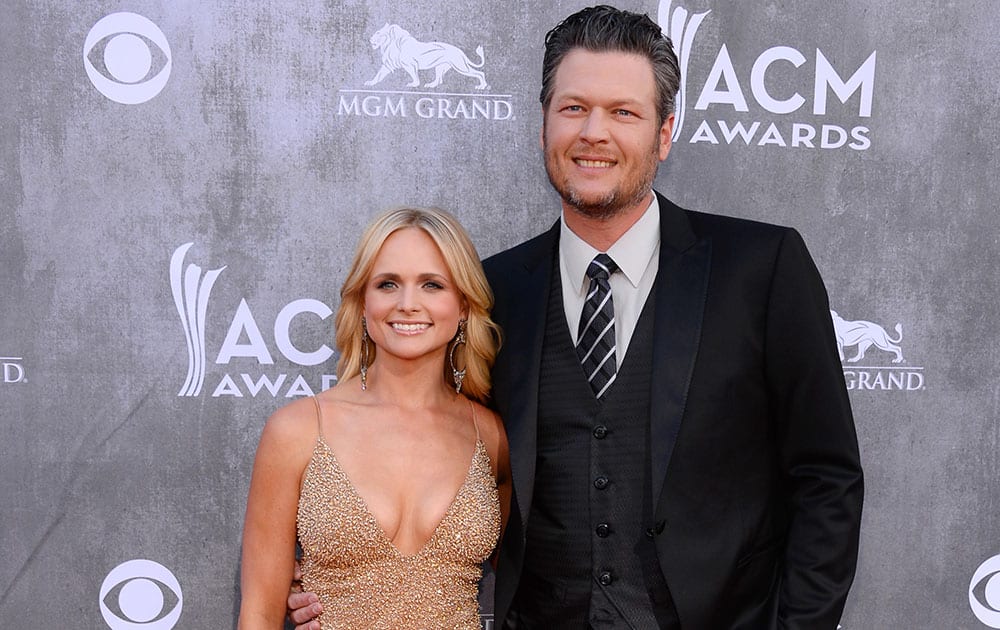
(472, 405)
(319, 417)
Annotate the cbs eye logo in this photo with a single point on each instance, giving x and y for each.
(141, 594)
(127, 58)
(984, 592)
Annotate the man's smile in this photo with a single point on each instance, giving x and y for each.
(588, 163)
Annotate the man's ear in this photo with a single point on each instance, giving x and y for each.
(541, 133)
(666, 135)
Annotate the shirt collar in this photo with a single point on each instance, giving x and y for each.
(632, 252)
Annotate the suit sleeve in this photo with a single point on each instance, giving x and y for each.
(818, 447)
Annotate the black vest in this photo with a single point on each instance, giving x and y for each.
(588, 560)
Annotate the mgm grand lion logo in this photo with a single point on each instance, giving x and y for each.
(864, 335)
(401, 50)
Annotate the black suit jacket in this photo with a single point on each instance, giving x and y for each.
(756, 479)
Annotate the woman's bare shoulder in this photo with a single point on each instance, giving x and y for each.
(486, 418)
(294, 424)
(491, 430)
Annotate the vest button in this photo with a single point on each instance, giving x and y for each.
(603, 530)
(601, 483)
(605, 578)
(600, 431)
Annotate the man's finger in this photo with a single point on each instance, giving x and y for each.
(303, 616)
(301, 600)
(304, 607)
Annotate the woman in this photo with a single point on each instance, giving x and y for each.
(374, 475)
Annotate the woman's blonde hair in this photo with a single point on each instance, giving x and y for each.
(482, 334)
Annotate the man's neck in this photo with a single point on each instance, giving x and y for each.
(601, 234)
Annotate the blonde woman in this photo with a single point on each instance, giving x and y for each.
(396, 481)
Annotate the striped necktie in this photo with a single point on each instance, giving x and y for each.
(595, 341)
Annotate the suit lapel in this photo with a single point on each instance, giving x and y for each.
(681, 290)
(525, 332)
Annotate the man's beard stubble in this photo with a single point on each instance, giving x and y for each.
(614, 202)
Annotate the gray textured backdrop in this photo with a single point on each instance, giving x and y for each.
(267, 151)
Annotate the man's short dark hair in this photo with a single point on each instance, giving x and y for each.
(607, 29)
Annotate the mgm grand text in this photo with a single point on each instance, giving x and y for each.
(412, 106)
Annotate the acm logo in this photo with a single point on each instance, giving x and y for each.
(724, 107)
(244, 344)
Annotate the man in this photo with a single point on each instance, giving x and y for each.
(701, 470)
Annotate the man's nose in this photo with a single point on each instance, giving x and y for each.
(595, 127)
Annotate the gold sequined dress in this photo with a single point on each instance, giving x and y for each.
(363, 581)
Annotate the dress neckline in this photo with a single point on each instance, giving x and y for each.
(480, 447)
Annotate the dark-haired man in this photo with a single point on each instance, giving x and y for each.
(682, 444)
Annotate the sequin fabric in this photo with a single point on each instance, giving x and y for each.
(363, 581)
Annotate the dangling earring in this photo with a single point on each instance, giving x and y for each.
(458, 375)
(365, 355)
